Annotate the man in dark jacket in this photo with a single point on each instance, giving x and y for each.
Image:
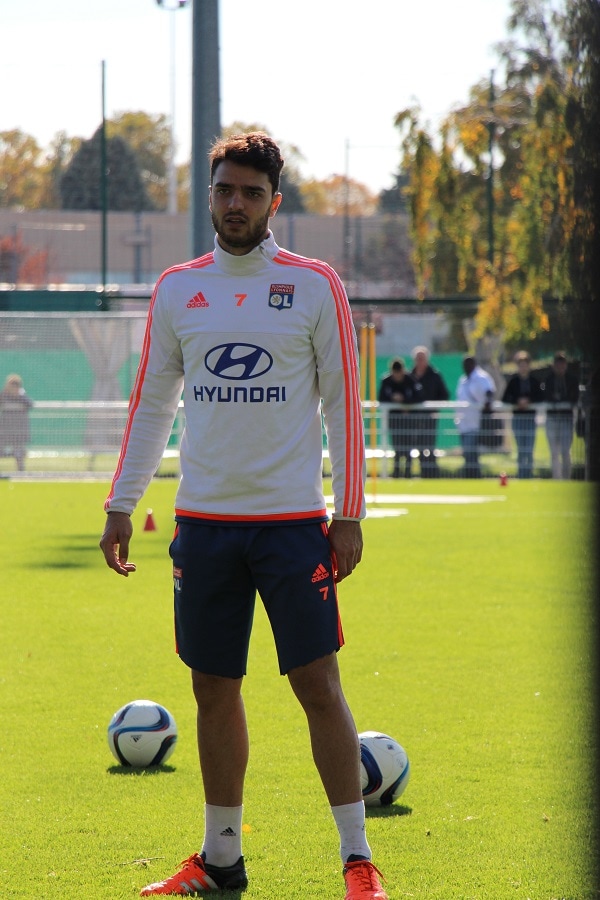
(522, 390)
(397, 387)
(561, 391)
(428, 385)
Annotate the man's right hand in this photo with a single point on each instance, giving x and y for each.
(115, 542)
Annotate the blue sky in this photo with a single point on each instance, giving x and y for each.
(316, 74)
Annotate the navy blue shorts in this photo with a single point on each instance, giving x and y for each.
(217, 571)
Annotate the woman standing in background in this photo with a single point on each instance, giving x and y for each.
(14, 420)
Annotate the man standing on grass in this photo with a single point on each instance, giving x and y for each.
(429, 385)
(257, 339)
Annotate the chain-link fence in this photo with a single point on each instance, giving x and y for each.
(78, 369)
(426, 440)
(84, 436)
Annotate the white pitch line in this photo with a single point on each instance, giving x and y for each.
(374, 513)
(427, 498)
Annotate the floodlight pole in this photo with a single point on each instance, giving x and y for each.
(103, 191)
(206, 117)
(172, 6)
(346, 235)
(490, 182)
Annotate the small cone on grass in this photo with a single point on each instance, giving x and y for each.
(149, 524)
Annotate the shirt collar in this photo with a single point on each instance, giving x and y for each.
(249, 263)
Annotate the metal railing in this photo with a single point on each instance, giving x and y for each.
(91, 433)
(433, 425)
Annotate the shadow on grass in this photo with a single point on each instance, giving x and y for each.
(225, 894)
(81, 550)
(57, 564)
(228, 895)
(76, 551)
(380, 812)
(140, 771)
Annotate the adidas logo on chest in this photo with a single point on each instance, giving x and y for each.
(198, 301)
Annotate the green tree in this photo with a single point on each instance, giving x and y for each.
(80, 186)
(184, 186)
(20, 176)
(535, 198)
(56, 160)
(393, 200)
(29, 176)
(338, 196)
(493, 210)
(420, 160)
(583, 115)
(150, 139)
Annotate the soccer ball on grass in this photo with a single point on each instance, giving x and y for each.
(142, 733)
(384, 768)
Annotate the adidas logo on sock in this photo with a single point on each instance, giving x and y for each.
(320, 573)
(197, 301)
(229, 832)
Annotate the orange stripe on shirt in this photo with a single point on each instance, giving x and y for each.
(354, 445)
(134, 399)
(316, 514)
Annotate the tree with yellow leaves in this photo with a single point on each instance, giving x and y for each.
(492, 199)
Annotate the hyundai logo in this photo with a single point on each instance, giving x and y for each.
(238, 361)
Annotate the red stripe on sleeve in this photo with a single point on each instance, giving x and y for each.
(352, 503)
(135, 397)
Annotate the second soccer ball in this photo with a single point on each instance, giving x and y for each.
(384, 768)
(142, 733)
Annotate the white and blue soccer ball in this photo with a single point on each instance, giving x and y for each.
(384, 768)
(142, 733)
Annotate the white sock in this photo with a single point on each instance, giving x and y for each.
(350, 821)
(223, 834)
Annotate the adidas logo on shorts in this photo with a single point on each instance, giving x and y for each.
(320, 573)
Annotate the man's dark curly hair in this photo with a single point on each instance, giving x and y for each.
(255, 149)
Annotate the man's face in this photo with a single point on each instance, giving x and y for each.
(241, 203)
(420, 361)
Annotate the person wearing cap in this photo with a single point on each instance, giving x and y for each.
(561, 392)
(522, 390)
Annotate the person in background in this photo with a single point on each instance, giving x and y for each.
(428, 385)
(397, 387)
(560, 387)
(521, 391)
(261, 343)
(591, 425)
(14, 420)
(476, 388)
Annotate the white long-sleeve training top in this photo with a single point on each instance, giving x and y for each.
(473, 389)
(259, 345)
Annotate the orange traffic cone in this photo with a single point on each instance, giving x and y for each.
(149, 524)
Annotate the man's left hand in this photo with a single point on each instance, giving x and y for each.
(345, 539)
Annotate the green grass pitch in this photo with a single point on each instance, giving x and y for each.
(469, 630)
